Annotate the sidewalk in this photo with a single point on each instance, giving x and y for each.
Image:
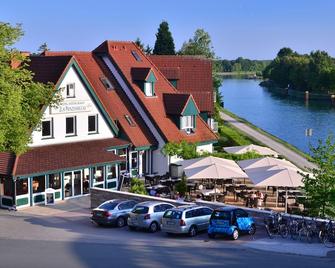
(268, 141)
(281, 245)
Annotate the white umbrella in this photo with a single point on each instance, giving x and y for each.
(261, 150)
(266, 162)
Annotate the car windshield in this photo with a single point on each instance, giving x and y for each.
(140, 210)
(108, 205)
(171, 214)
(221, 215)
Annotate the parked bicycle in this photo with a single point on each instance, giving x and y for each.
(293, 228)
(327, 234)
(276, 225)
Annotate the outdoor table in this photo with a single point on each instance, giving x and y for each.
(209, 192)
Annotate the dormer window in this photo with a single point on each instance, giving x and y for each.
(187, 123)
(70, 90)
(108, 85)
(149, 89)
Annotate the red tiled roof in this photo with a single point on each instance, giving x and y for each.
(175, 103)
(140, 74)
(48, 69)
(195, 77)
(67, 156)
(121, 56)
(7, 161)
(114, 101)
(171, 73)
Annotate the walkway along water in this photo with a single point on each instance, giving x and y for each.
(294, 157)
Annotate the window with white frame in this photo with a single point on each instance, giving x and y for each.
(70, 126)
(187, 123)
(93, 124)
(149, 89)
(70, 90)
(123, 154)
(47, 128)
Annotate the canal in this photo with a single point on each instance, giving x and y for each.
(282, 116)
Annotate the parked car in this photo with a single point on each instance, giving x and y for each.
(148, 215)
(186, 220)
(230, 221)
(113, 212)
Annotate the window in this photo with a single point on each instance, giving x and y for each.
(54, 181)
(93, 124)
(71, 126)
(129, 120)
(22, 186)
(123, 153)
(111, 172)
(149, 89)
(159, 208)
(187, 123)
(136, 56)
(206, 211)
(108, 85)
(241, 214)
(38, 184)
(47, 128)
(70, 90)
(98, 173)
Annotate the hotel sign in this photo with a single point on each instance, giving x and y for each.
(75, 106)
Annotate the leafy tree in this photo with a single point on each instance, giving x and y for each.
(137, 186)
(285, 51)
(21, 99)
(320, 186)
(164, 44)
(181, 187)
(201, 45)
(183, 149)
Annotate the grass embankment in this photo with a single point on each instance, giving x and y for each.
(286, 144)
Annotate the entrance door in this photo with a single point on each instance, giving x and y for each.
(72, 183)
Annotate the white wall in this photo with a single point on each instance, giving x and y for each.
(81, 101)
(208, 148)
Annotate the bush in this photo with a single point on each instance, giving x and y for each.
(181, 187)
(137, 187)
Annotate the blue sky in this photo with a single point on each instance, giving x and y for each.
(255, 29)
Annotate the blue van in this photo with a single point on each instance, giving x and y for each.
(230, 221)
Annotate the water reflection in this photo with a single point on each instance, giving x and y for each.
(283, 116)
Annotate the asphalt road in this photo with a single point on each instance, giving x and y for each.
(68, 239)
(297, 159)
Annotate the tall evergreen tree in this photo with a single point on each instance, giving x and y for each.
(164, 44)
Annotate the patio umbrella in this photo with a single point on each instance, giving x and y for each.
(277, 176)
(266, 162)
(261, 150)
(206, 161)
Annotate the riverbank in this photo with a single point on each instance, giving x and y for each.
(285, 149)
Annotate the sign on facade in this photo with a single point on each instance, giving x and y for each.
(75, 106)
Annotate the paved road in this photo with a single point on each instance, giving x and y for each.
(58, 237)
(278, 147)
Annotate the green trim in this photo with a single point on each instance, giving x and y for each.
(31, 190)
(190, 108)
(67, 169)
(151, 77)
(118, 147)
(57, 195)
(204, 116)
(74, 63)
(22, 201)
(143, 148)
(63, 189)
(174, 82)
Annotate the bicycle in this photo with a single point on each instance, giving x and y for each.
(327, 234)
(275, 225)
(293, 228)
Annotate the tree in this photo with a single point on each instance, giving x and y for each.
(320, 186)
(181, 187)
(201, 45)
(146, 49)
(21, 99)
(137, 187)
(42, 48)
(164, 44)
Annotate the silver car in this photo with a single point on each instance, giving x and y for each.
(113, 212)
(186, 220)
(148, 215)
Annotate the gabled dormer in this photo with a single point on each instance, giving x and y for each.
(145, 79)
(183, 111)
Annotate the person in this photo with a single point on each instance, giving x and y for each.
(252, 199)
(259, 198)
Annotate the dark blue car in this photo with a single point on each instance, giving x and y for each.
(230, 221)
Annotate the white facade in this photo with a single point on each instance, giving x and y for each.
(76, 103)
(206, 148)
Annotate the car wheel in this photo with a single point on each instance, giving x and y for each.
(193, 231)
(235, 234)
(211, 236)
(120, 222)
(153, 228)
(252, 230)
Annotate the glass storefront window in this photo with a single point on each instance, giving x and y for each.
(38, 184)
(86, 181)
(123, 153)
(98, 173)
(134, 162)
(22, 186)
(111, 172)
(8, 187)
(54, 181)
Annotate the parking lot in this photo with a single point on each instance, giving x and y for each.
(63, 235)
